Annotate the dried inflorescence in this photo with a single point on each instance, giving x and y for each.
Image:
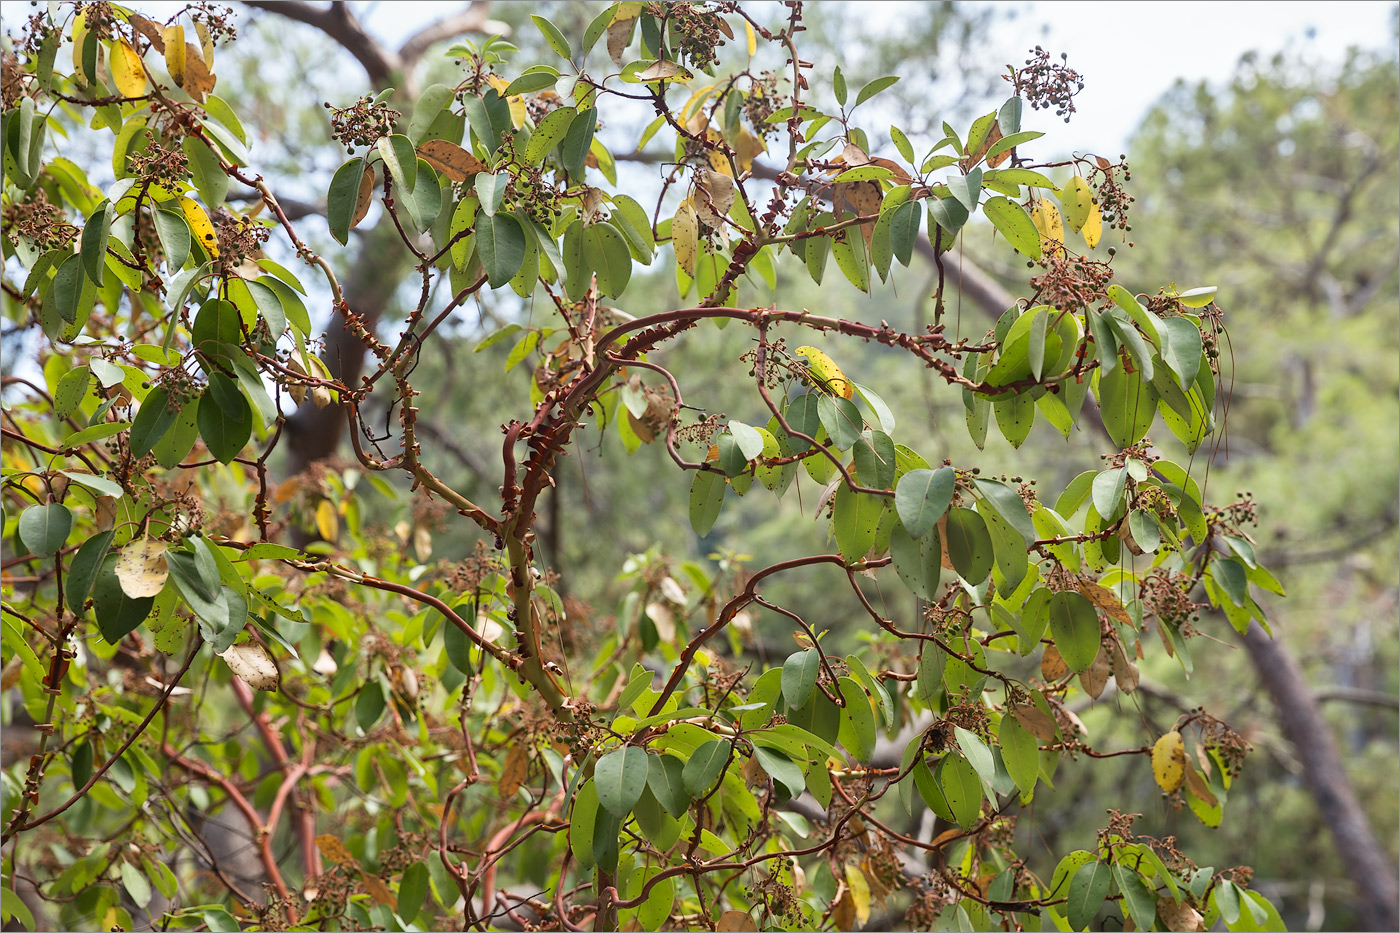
(363, 123)
(41, 223)
(1072, 283)
(1045, 84)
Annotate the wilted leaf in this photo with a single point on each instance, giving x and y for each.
(451, 159)
(251, 664)
(141, 568)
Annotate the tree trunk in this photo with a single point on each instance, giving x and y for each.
(1377, 897)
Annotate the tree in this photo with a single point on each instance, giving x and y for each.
(419, 732)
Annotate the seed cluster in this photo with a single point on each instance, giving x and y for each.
(695, 31)
(41, 223)
(363, 123)
(1045, 84)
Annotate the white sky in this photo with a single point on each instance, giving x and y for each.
(1132, 50)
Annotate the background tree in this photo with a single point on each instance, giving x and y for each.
(375, 645)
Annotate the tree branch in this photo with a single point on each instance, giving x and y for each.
(471, 19)
(342, 25)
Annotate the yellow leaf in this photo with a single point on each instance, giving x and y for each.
(200, 225)
(79, 36)
(685, 235)
(746, 147)
(825, 373)
(175, 53)
(206, 44)
(1093, 227)
(141, 569)
(1169, 761)
(1076, 197)
(753, 39)
(128, 73)
(860, 893)
(516, 103)
(332, 849)
(1046, 218)
(327, 522)
(451, 159)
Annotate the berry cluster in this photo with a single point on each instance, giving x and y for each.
(41, 223)
(240, 238)
(1045, 84)
(167, 168)
(761, 102)
(1072, 283)
(697, 33)
(363, 123)
(216, 18)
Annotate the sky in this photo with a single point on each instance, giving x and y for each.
(1137, 49)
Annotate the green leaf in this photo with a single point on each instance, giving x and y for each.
(961, 789)
(174, 234)
(342, 197)
(921, 498)
(66, 289)
(1020, 751)
(799, 680)
(666, 781)
(1075, 627)
(874, 458)
(1008, 548)
(548, 133)
(94, 241)
(44, 528)
(1139, 899)
(783, 770)
(1108, 490)
(706, 497)
(857, 730)
(136, 885)
(969, 545)
(1128, 403)
(577, 141)
(1014, 224)
(605, 252)
(918, 561)
(227, 424)
(705, 766)
(1087, 890)
(1009, 505)
(553, 37)
(1229, 573)
(86, 564)
(369, 705)
(840, 418)
(873, 88)
(491, 191)
(155, 418)
(854, 519)
(500, 243)
(426, 110)
(118, 615)
(621, 776)
(1181, 348)
(413, 889)
(401, 159)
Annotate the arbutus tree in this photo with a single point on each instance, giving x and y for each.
(449, 745)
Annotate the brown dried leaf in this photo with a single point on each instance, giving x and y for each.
(150, 30)
(378, 890)
(1182, 917)
(1125, 670)
(1052, 664)
(619, 33)
(714, 195)
(332, 849)
(251, 664)
(1036, 722)
(199, 81)
(1199, 788)
(515, 770)
(1095, 678)
(363, 199)
(1105, 600)
(105, 512)
(992, 137)
(739, 921)
(451, 159)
